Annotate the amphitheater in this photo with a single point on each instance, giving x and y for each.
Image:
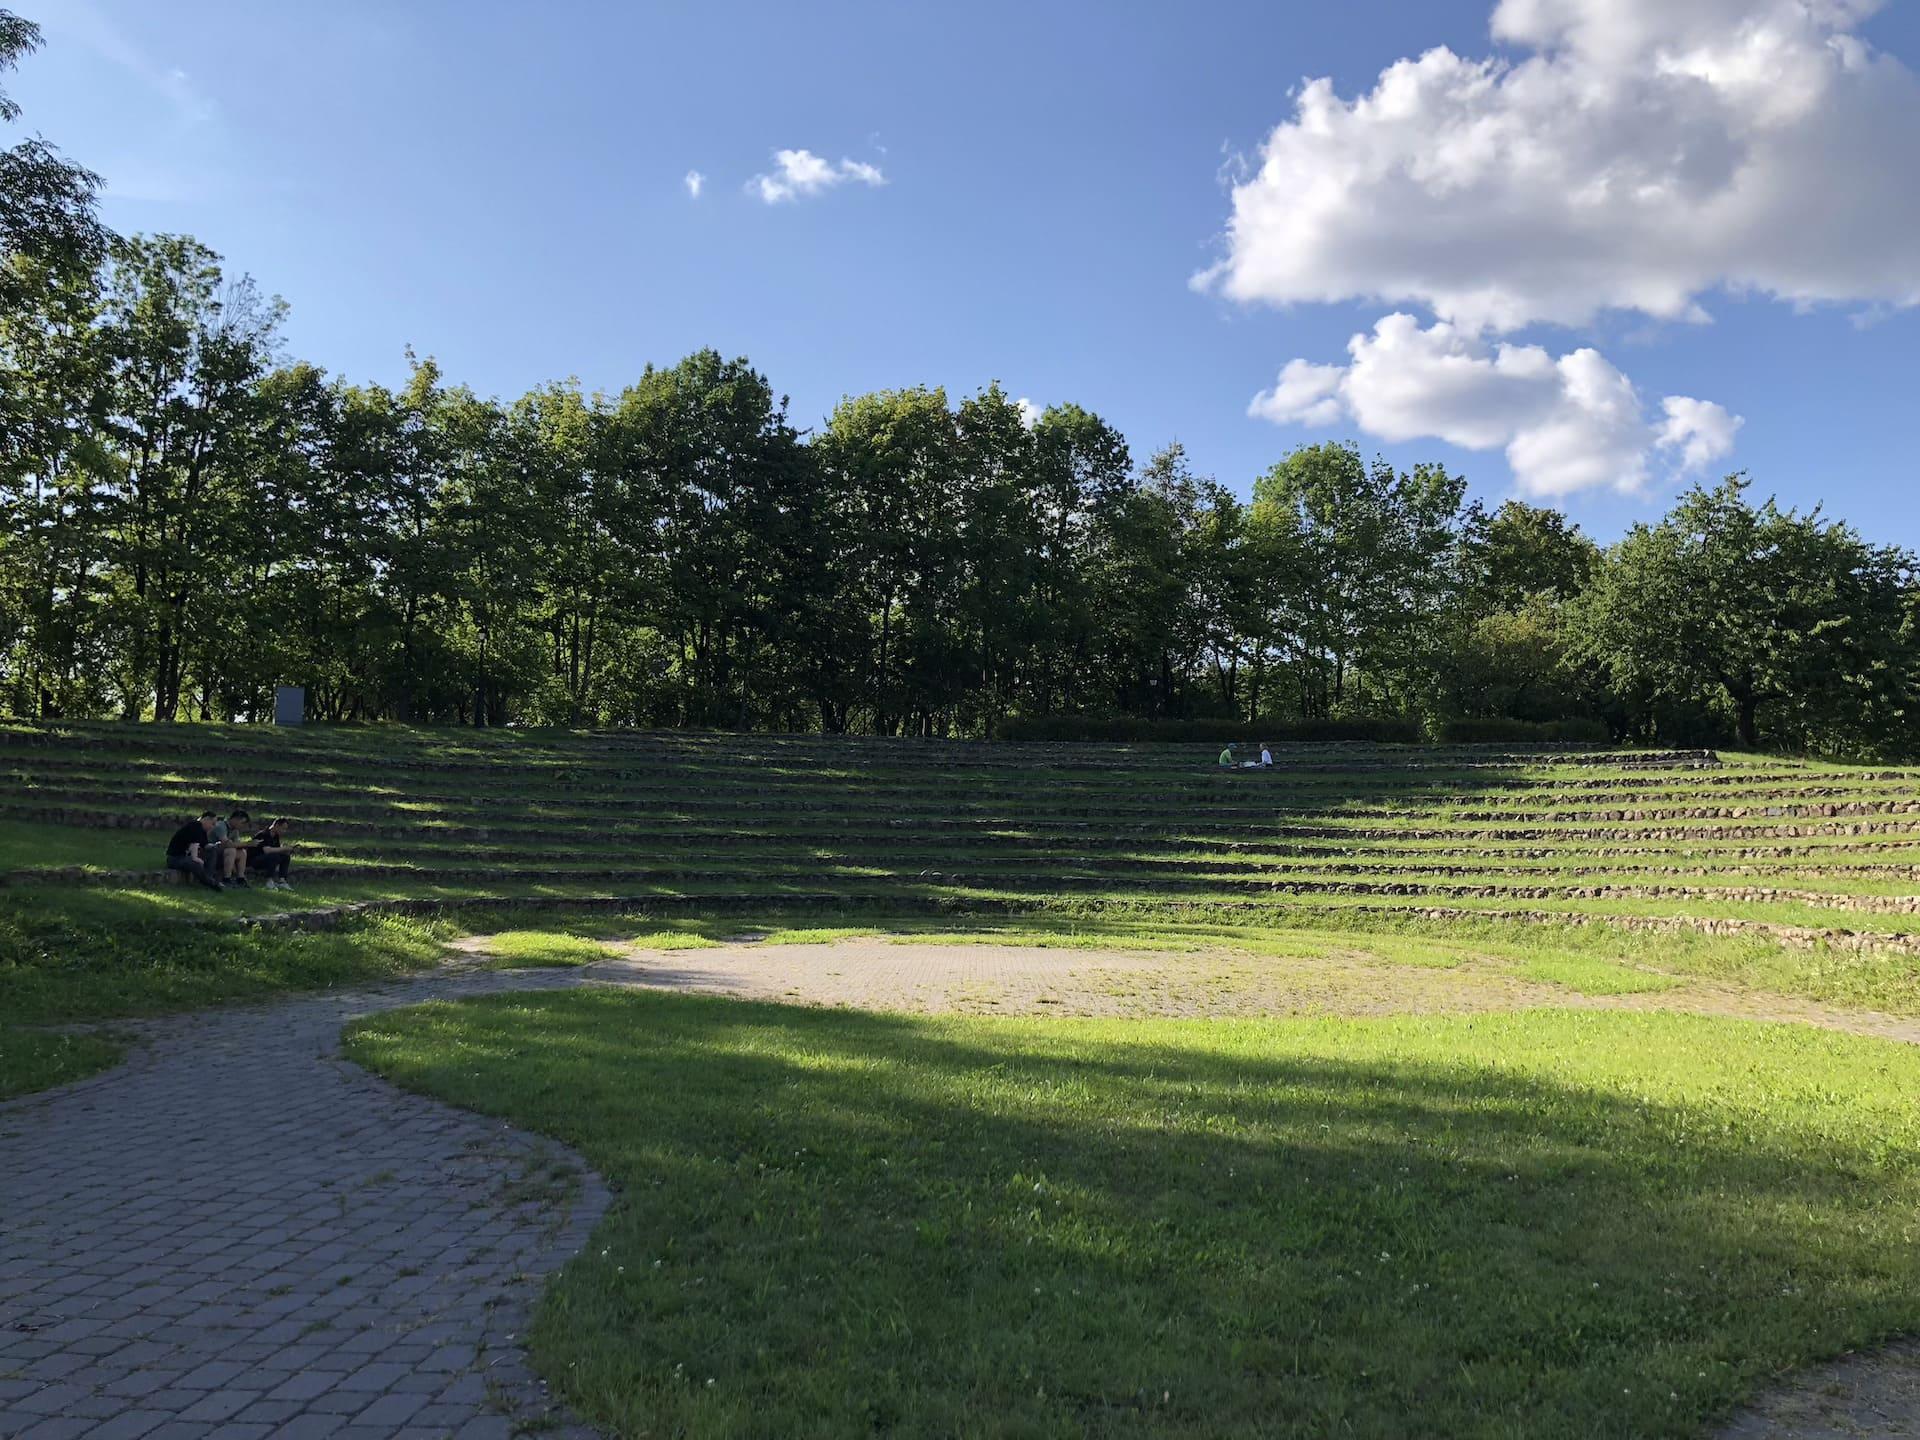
(1624, 911)
(1678, 839)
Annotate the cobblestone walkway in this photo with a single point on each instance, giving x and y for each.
(237, 1234)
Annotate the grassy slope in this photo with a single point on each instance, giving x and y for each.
(1140, 844)
(1540, 1224)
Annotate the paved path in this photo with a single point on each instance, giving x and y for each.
(238, 1234)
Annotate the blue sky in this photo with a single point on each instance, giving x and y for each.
(504, 189)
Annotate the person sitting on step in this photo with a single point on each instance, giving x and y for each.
(269, 855)
(1226, 758)
(230, 848)
(1266, 756)
(188, 850)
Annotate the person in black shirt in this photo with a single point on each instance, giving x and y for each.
(187, 851)
(269, 855)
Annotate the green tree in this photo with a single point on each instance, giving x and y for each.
(1794, 623)
(47, 220)
(1525, 550)
(185, 352)
(1357, 565)
(711, 440)
(893, 457)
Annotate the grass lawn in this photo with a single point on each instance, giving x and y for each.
(1539, 1224)
(35, 1060)
(26, 845)
(87, 954)
(524, 949)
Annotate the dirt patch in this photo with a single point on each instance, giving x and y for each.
(976, 979)
(875, 973)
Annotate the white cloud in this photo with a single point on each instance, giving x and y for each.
(801, 173)
(1030, 413)
(1700, 430)
(1567, 424)
(695, 183)
(1306, 394)
(1636, 155)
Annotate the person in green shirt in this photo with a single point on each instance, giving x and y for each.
(225, 847)
(1226, 758)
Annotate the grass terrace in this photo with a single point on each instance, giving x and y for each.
(388, 816)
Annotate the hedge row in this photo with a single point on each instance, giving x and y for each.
(1123, 729)
(1540, 732)
(1373, 731)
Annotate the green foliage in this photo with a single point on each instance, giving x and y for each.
(1790, 620)
(1356, 566)
(48, 230)
(1385, 731)
(1545, 1224)
(1522, 551)
(1527, 732)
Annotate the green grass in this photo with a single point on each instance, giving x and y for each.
(1594, 977)
(36, 1060)
(89, 954)
(1542, 1224)
(29, 845)
(525, 949)
(674, 939)
(1136, 845)
(817, 934)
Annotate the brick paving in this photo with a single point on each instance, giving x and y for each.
(238, 1234)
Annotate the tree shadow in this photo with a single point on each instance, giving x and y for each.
(1338, 1228)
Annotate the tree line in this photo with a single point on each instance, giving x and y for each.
(188, 517)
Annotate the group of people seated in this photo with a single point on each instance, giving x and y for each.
(1265, 761)
(218, 852)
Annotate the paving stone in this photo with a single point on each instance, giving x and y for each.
(129, 1425)
(58, 1428)
(310, 1427)
(219, 1406)
(390, 1410)
(236, 1223)
(307, 1385)
(269, 1412)
(212, 1375)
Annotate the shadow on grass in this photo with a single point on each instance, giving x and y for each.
(37, 1060)
(838, 1222)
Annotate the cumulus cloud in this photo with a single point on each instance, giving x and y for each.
(1030, 413)
(1699, 430)
(1633, 155)
(695, 183)
(1567, 424)
(798, 174)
